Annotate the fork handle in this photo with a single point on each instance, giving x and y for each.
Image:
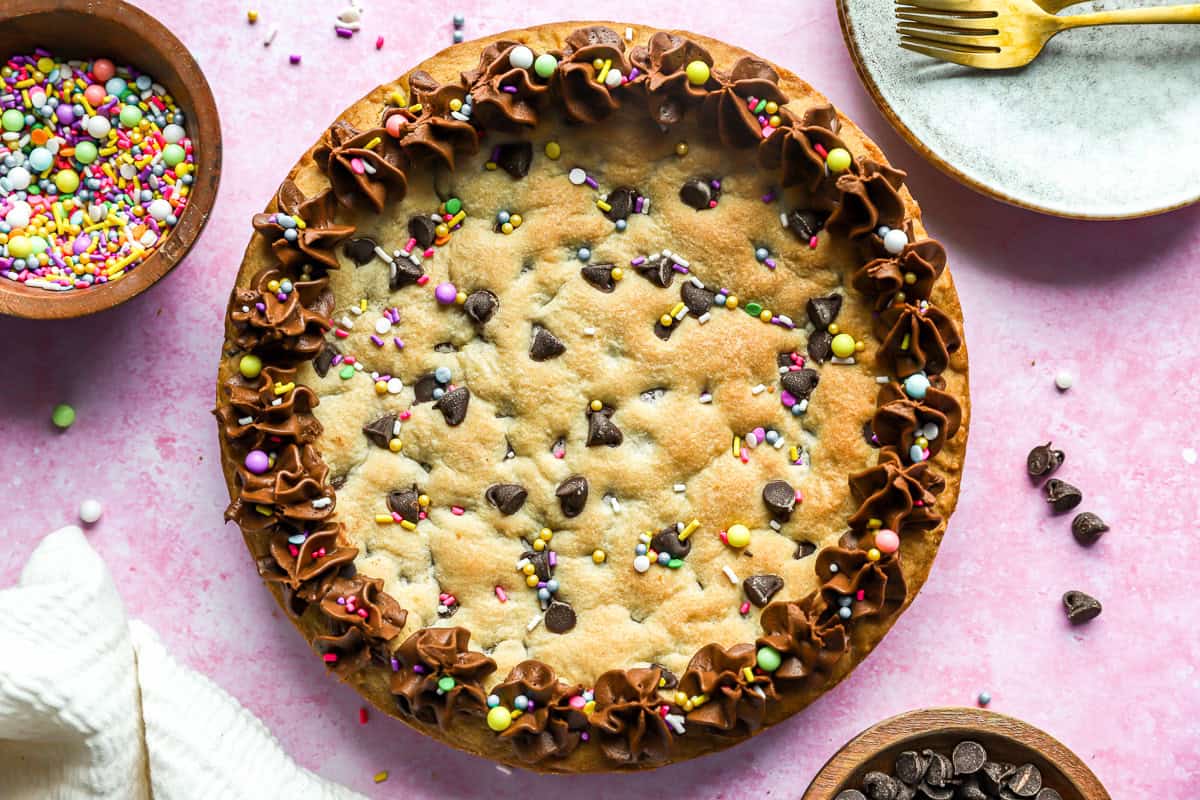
(1134, 16)
(1055, 6)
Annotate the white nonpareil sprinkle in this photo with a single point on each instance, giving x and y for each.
(612, 501)
(379, 251)
(803, 406)
(245, 420)
(347, 323)
(729, 573)
(356, 311)
(278, 401)
(775, 526)
(589, 331)
(679, 487)
(699, 284)
(844, 361)
(882, 379)
(1064, 380)
(629, 34)
(533, 623)
(322, 502)
(395, 386)
(779, 443)
(706, 398)
(90, 510)
(383, 325)
(703, 318)
(782, 219)
(676, 723)
(680, 260)
(396, 428)
(759, 389)
(504, 769)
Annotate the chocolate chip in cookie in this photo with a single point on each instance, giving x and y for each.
(324, 359)
(572, 495)
(560, 617)
(423, 388)
(406, 503)
(699, 193)
(599, 276)
(380, 431)
(822, 311)
(659, 272)
(481, 305)
(779, 497)
(820, 346)
(1061, 495)
(506, 497)
(667, 541)
(804, 550)
(423, 228)
(515, 158)
(1080, 607)
(804, 224)
(402, 272)
(453, 405)
(360, 250)
(602, 430)
(697, 300)
(1042, 460)
(800, 383)
(760, 589)
(620, 203)
(544, 345)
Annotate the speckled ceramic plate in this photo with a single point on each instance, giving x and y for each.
(1101, 126)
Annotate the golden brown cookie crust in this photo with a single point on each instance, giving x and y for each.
(836, 397)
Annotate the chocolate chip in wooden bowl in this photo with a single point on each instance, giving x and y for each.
(1061, 495)
(760, 589)
(667, 541)
(1048, 794)
(820, 346)
(697, 300)
(406, 503)
(572, 495)
(779, 497)
(360, 250)
(850, 794)
(800, 383)
(910, 767)
(560, 617)
(602, 430)
(939, 770)
(968, 757)
(380, 431)
(481, 305)
(879, 786)
(506, 497)
(402, 272)
(544, 345)
(453, 405)
(1080, 607)
(423, 228)
(969, 789)
(599, 276)
(620, 203)
(932, 792)
(1042, 460)
(699, 193)
(1087, 528)
(1025, 781)
(515, 158)
(822, 311)
(993, 774)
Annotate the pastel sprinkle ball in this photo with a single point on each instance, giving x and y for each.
(1064, 380)
(769, 659)
(499, 718)
(90, 511)
(63, 416)
(843, 345)
(838, 159)
(985, 698)
(887, 541)
(95, 170)
(698, 73)
(257, 462)
(738, 535)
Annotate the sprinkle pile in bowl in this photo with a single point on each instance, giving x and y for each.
(95, 169)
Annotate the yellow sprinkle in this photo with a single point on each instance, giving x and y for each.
(284, 388)
(415, 108)
(371, 145)
(904, 342)
(553, 150)
(380, 777)
(665, 320)
(301, 224)
(689, 529)
(546, 534)
(598, 556)
(618, 273)
(603, 206)
(531, 581)
(423, 500)
(362, 304)
(252, 16)
(874, 523)
(793, 454)
(675, 309)
(489, 165)
(589, 706)
(748, 674)
(604, 70)
(737, 446)
(408, 526)
(457, 218)
(397, 99)
(731, 302)
(529, 569)
(539, 545)
(384, 519)
(596, 405)
(266, 511)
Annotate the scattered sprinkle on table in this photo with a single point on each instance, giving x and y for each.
(1064, 380)
(63, 416)
(985, 698)
(95, 170)
(90, 510)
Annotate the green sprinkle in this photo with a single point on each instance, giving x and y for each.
(63, 416)
(675, 563)
(346, 372)
(753, 309)
(769, 659)
(453, 205)
(445, 683)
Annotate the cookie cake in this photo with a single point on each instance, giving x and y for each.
(592, 397)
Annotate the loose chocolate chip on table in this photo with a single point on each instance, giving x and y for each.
(481, 305)
(800, 383)
(423, 388)
(360, 250)
(968, 757)
(599, 276)
(667, 541)
(379, 431)
(545, 345)
(324, 359)
(572, 495)
(402, 272)
(760, 589)
(515, 158)
(696, 299)
(1025, 781)
(406, 503)
(1062, 495)
(805, 224)
(506, 497)
(804, 550)
(850, 794)
(1080, 607)
(879, 786)
(1042, 460)
(620, 203)
(820, 346)
(910, 767)
(779, 497)
(697, 193)
(560, 617)
(453, 405)
(822, 311)
(423, 228)
(602, 430)
(1087, 528)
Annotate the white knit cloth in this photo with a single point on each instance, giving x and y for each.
(92, 706)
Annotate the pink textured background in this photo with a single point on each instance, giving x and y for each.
(1113, 302)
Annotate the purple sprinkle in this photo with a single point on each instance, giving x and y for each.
(637, 262)
(584, 736)
(633, 73)
(417, 668)
(344, 33)
(495, 153)
(770, 262)
(638, 203)
(716, 184)
(378, 342)
(509, 89)
(261, 306)
(769, 197)
(395, 665)
(281, 296)
(399, 343)
(337, 359)
(553, 558)
(679, 268)
(541, 585)
(590, 181)
(341, 601)
(294, 58)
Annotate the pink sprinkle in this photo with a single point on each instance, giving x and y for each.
(341, 334)
(501, 595)
(724, 537)
(350, 359)
(786, 398)
(663, 710)
(799, 496)
(745, 608)
(422, 515)
(396, 517)
(379, 43)
(421, 281)
(330, 658)
(450, 600)
(295, 551)
(812, 243)
(712, 203)
(760, 434)
(861, 595)
(356, 166)
(410, 244)
(456, 511)
(577, 702)
(404, 415)
(559, 453)
(362, 716)
(362, 612)
(428, 253)
(767, 131)
(745, 456)
(821, 151)
(442, 597)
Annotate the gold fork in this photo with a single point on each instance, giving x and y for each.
(1002, 34)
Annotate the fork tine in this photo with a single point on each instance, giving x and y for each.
(978, 25)
(917, 8)
(953, 56)
(950, 41)
(959, 6)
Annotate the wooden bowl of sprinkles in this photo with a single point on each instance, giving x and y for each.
(91, 29)
(1004, 738)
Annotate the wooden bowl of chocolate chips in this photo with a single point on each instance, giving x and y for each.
(954, 754)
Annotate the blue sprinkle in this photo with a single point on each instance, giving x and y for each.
(622, 225)
(544, 594)
(438, 393)
(663, 558)
(442, 374)
(521, 702)
(583, 254)
(916, 385)
(772, 437)
(552, 585)
(845, 600)
(796, 410)
(459, 19)
(458, 37)
(985, 698)
(761, 254)
(845, 612)
(493, 701)
(640, 549)
(916, 454)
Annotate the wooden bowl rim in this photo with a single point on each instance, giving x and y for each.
(965, 721)
(32, 303)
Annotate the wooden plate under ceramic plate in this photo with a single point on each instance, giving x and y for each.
(1101, 126)
(113, 29)
(1004, 738)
